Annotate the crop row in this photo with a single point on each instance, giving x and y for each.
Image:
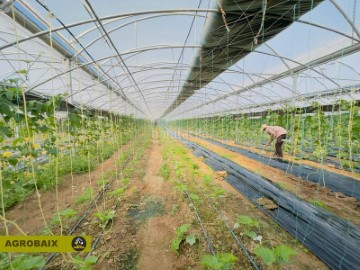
(313, 135)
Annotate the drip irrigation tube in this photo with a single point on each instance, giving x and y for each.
(333, 239)
(251, 260)
(238, 241)
(98, 237)
(202, 226)
(334, 181)
(81, 219)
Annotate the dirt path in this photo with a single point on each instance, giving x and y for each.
(157, 233)
(27, 214)
(144, 227)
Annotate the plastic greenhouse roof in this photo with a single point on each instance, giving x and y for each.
(183, 59)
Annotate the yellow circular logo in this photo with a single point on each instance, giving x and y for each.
(78, 243)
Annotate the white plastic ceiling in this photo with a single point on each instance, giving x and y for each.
(136, 57)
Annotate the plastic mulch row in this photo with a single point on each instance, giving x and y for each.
(333, 239)
(334, 181)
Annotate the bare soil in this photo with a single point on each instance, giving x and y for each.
(156, 235)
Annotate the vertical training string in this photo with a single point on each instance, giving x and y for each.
(264, 7)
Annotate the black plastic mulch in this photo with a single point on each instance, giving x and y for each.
(333, 239)
(334, 181)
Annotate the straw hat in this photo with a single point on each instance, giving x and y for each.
(263, 127)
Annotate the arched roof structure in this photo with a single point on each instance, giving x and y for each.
(183, 59)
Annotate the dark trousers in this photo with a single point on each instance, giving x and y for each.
(278, 145)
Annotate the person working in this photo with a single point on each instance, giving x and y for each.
(277, 133)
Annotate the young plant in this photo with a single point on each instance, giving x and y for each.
(248, 223)
(278, 254)
(125, 181)
(64, 214)
(85, 264)
(22, 262)
(222, 261)
(181, 235)
(88, 193)
(194, 167)
(217, 192)
(165, 171)
(207, 180)
(118, 192)
(104, 217)
(181, 187)
(102, 183)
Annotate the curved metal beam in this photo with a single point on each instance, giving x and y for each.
(159, 47)
(230, 86)
(346, 17)
(54, 30)
(329, 29)
(132, 22)
(299, 68)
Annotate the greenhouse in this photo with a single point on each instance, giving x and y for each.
(192, 134)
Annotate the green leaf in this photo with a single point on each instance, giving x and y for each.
(68, 213)
(211, 262)
(255, 224)
(223, 261)
(175, 245)
(27, 263)
(13, 161)
(88, 262)
(5, 131)
(118, 192)
(228, 257)
(182, 229)
(244, 220)
(250, 234)
(195, 197)
(266, 254)
(283, 253)
(91, 259)
(191, 239)
(181, 187)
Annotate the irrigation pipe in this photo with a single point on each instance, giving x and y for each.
(251, 260)
(202, 225)
(94, 202)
